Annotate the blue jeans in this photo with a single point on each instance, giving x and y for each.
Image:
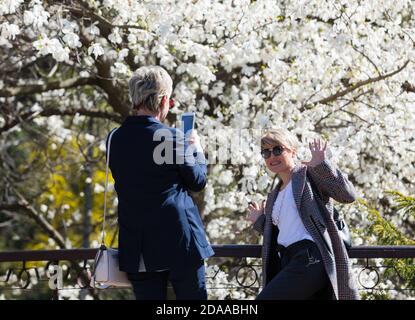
(187, 285)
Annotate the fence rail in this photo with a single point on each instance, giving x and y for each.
(228, 250)
(246, 275)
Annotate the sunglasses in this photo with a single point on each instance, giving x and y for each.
(276, 151)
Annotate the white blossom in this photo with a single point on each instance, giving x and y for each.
(9, 31)
(37, 16)
(98, 188)
(72, 40)
(93, 30)
(9, 6)
(96, 50)
(120, 68)
(52, 46)
(115, 37)
(226, 177)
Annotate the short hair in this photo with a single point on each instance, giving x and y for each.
(279, 137)
(147, 85)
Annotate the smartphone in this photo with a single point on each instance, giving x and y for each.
(188, 123)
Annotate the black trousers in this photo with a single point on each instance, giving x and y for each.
(302, 274)
(187, 285)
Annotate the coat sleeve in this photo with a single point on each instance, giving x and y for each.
(332, 183)
(194, 175)
(259, 224)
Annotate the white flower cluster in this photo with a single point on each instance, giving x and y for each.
(9, 6)
(53, 46)
(36, 17)
(8, 31)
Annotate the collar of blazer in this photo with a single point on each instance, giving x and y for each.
(298, 182)
(140, 119)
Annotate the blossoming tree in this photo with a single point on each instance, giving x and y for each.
(334, 68)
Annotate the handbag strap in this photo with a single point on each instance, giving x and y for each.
(106, 185)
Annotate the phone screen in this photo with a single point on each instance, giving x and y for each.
(188, 121)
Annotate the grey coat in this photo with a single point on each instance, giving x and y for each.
(321, 226)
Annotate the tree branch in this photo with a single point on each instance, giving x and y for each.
(367, 58)
(83, 112)
(105, 27)
(358, 85)
(407, 87)
(38, 88)
(103, 77)
(354, 99)
(54, 111)
(114, 97)
(24, 205)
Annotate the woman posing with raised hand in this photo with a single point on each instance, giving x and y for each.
(303, 254)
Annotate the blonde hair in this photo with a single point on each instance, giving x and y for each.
(147, 85)
(279, 137)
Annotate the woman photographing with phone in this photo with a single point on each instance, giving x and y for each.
(303, 255)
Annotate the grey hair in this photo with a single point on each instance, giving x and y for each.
(147, 85)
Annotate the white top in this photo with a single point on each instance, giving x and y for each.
(285, 215)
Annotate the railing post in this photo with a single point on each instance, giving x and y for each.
(55, 294)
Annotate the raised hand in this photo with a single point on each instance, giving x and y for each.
(318, 153)
(255, 211)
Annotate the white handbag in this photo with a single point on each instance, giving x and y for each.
(106, 267)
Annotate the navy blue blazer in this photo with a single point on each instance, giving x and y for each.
(156, 215)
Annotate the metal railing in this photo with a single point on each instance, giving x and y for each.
(246, 274)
